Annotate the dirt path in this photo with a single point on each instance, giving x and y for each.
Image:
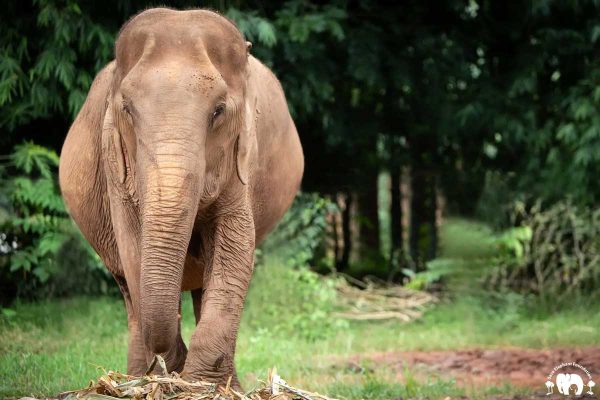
(477, 367)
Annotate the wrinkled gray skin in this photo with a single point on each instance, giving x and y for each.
(181, 160)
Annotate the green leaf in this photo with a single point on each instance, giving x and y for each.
(51, 242)
(8, 312)
(29, 155)
(42, 274)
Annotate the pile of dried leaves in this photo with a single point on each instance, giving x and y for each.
(377, 301)
(115, 386)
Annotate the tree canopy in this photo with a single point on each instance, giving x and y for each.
(480, 102)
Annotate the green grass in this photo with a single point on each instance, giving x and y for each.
(53, 346)
(468, 240)
(57, 345)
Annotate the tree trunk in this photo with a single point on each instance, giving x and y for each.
(432, 219)
(423, 226)
(417, 213)
(396, 213)
(344, 260)
(368, 208)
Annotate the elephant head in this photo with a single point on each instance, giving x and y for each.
(565, 381)
(177, 133)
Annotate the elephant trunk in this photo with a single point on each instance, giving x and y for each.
(169, 202)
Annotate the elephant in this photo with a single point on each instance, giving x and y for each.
(182, 159)
(565, 381)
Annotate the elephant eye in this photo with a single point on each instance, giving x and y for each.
(218, 111)
(126, 108)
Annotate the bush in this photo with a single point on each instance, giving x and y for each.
(554, 253)
(497, 196)
(291, 301)
(301, 231)
(42, 253)
(467, 250)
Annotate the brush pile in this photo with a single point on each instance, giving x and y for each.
(377, 301)
(117, 386)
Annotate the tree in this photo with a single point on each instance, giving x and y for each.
(460, 93)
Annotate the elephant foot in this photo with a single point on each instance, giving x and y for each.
(221, 376)
(174, 359)
(233, 384)
(137, 363)
(174, 363)
(138, 369)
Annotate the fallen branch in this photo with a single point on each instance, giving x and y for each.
(371, 302)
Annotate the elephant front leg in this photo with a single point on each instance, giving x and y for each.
(138, 356)
(226, 280)
(136, 351)
(175, 356)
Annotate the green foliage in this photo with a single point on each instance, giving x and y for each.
(301, 19)
(493, 108)
(254, 27)
(530, 115)
(286, 301)
(38, 214)
(302, 229)
(466, 251)
(373, 386)
(48, 60)
(497, 195)
(437, 270)
(41, 251)
(564, 152)
(513, 242)
(553, 253)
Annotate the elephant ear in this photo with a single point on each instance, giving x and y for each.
(246, 145)
(112, 136)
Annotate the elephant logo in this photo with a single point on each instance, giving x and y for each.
(569, 383)
(564, 382)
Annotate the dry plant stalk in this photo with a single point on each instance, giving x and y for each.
(560, 258)
(378, 302)
(115, 386)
